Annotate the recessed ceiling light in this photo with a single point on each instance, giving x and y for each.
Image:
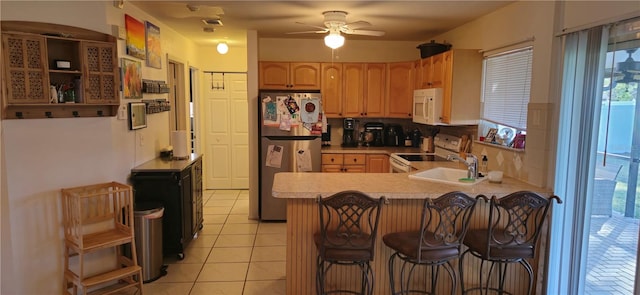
(213, 22)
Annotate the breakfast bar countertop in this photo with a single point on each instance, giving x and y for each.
(390, 185)
(401, 213)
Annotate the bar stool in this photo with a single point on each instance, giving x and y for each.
(438, 241)
(511, 236)
(348, 227)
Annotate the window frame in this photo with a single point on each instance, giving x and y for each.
(507, 129)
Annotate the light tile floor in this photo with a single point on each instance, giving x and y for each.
(232, 255)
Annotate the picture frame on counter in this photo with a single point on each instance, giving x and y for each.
(137, 115)
(491, 135)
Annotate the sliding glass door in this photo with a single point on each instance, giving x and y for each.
(595, 237)
(615, 203)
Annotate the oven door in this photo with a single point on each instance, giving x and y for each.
(396, 166)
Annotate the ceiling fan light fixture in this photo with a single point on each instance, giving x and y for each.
(334, 40)
(222, 47)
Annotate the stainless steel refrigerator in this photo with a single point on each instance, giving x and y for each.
(290, 141)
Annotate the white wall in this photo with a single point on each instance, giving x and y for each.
(585, 14)
(41, 156)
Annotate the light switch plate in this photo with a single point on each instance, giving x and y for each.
(122, 112)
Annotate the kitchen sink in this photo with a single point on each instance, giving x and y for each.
(446, 175)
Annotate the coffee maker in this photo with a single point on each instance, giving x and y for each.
(348, 129)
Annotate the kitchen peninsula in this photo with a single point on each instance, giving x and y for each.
(401, 213)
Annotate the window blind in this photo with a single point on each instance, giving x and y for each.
(506, 88)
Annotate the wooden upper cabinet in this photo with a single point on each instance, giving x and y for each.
(290, 76)
(58, 77)
(462, 84)
(274, 75)
(438, 69)
(432, 72)
(364, 89)
(101, 64)
(401, 82)
(331, 89)
(305, 76)
(353, 89)
(417, 69)
(25, 62)
(374, 89)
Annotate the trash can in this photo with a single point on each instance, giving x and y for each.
(148, 235)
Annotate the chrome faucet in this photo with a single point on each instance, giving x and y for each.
(472, 168)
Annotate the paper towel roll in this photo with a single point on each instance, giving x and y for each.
(179, 143)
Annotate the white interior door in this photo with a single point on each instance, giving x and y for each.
(226, 131)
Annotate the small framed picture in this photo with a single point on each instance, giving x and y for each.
(491, 135)
(137, 115)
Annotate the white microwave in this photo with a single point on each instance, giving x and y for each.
(427, 106)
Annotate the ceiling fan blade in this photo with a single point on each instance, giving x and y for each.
(307, 32)
(313, 26)
(359, 24)
(365, 32)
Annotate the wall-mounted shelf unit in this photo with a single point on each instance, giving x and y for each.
(157, 105)
(82, 64)
(151, 86)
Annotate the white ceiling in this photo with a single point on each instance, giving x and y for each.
(401, 20)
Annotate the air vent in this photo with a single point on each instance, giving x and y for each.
(213, 22)
(208, 30)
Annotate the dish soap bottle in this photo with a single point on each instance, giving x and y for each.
(484, 165)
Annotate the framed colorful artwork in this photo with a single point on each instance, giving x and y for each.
(135, 37)
(131, 78)
(154, 54)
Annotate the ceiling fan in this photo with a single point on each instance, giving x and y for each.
(335, 23)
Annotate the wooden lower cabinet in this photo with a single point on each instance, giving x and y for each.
(349, 163)
(355, 163)
(377, 163)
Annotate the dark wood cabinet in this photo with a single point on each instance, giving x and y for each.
(177, 185)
